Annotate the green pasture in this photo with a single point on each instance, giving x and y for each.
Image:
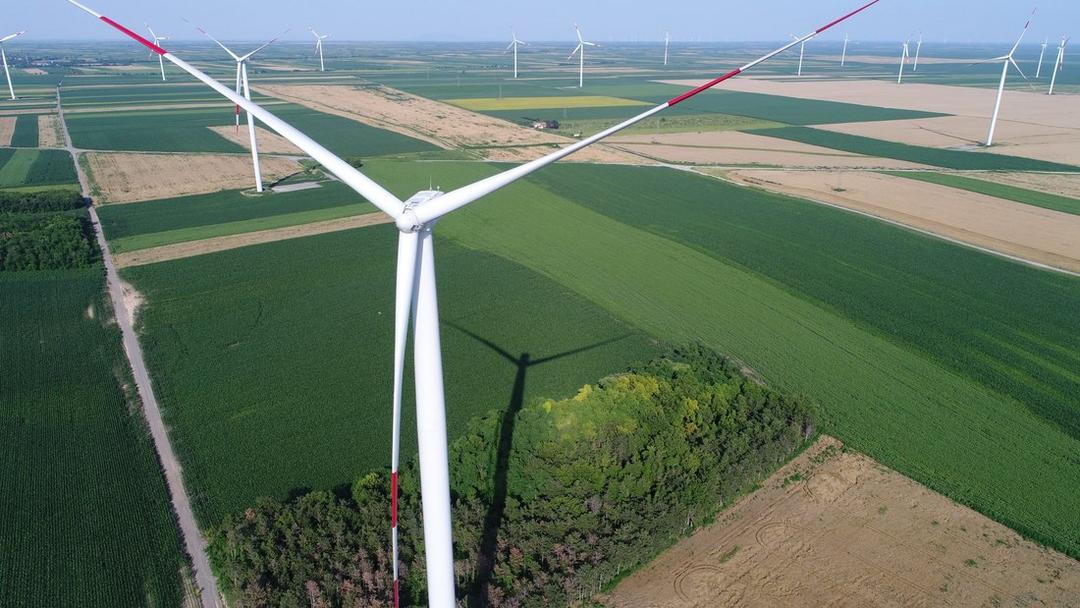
(26, 168)
(26, 131)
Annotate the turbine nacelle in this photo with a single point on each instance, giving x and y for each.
(408, 222)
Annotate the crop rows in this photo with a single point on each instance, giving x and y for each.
(26, 131)
(25, 168)
(85, 519)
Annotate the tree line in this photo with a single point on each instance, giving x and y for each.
(45, 230)
(588, 489)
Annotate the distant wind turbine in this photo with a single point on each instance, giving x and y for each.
(319, 47)
(1005, 61)
(514, 46)
(11, 89)
(1059, 64)
(1042, 53)
(243, 88)
(157, 42)
(918, 50)
(843, 56)
(581, 49)
(904, 56)
(667, 44)
(802, 53)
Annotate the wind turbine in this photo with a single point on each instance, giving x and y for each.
(918, 50)
(318, 47)
(11, 89)
(157, 41)
(1042, 53)
(242, 87)
(904, 56)
(416, 296)
(581, 49)
(514, 45)
(802, 53)
(1005, 61)
(1059, 64)
(667, 44)
(843, 56)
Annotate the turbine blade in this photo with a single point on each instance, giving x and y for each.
(407, 285)
(218, 42)
(993, 60)
(1017, 66)
(574, 52)
(1021, 38)
(272, 41)
(9, 37)
(577, 29)
(457, 199)
(362, 184)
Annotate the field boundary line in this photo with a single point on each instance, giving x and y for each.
(1008, 256)
(194, 542)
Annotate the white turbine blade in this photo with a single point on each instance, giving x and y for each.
(574, 52)
(590, 44)
(1022, 34)
(407, 285)
(312, 30)
(9, 37)
(577, 28)
(510, 46)
(457, 199)
(151, 30)
(272, 41)
(993, 60)
(1017, 66)
(218, 42)
(362, 184)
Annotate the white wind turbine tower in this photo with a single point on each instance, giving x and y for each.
(416, 297)
(802, 53)
(3, 54)
(1042, 54)
(903, 60)
(918, 50)
(1005, 61)
(667, 45)
(318, 47)
(157, 41)
(514, 46)
(581, 49)
(243, 88)
(843, 56)
(1059, 63)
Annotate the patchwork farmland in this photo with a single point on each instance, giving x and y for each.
(931, 344)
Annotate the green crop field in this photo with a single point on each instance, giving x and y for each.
(37, 168)
(1011, 193)
(26, 131)
(85, 518)
(271, 362)
(827, 303)
(938, 157)
(548, 102)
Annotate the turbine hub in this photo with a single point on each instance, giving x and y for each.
(408, 222)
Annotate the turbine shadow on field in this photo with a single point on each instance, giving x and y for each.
(477, 595)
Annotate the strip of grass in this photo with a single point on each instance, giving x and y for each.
(52, 168)
(675, 123)
(85, 519)
(271, 361)
(183, 235)
(791, 288)
(16, 171)
(485, 104)
(26, 131)
(949, 159)
(1010, 193)
(206, 210)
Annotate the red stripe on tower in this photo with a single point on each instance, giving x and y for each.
(143, 41)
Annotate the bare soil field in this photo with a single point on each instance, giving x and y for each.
(834, 528)
(1019, 106)
(441, 124)
(1050, 143)
(125, 177)
(35, 71)
(50, 131)
(1032, 233)
(1057, 183)
(269, 142)
(736, 148)
(7, 129)
(226, 106)
(194, 248)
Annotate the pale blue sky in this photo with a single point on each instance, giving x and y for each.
(602, 20)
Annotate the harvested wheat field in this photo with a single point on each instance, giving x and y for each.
(7, 129)
(835, 528)
(189, 249)
(1050, 143)
(441, 124)
(269, 142)
(1065, 184)
(1022, 106)
(127, 177)
(1031, 233)
(737, 148)
(50, 131)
